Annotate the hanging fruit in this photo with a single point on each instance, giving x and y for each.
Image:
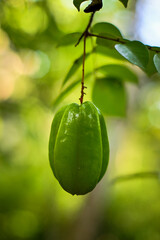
(78, 147)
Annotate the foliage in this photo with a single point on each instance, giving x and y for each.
(37, 51)
(135, 52)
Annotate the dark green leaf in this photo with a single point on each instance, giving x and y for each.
(107, 30)
(111, 53)
(150, 69)
(109, 95)
(125, 2)
(69, 39)
(135, 52)
(77, 63)
(119, 71)
(105, 42)
(64, 93)
(157, 61)
(77, 3)
(156, 49)
(68, 89)
(105, 27)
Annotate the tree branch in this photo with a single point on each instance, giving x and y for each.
(85, 33)
(121, 40)
(134, 176)
(118, 40)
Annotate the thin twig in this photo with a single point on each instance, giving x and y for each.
(85, 35)
(134, 176)
(83, 68)
(79, 39)
(154, 49)
(120, 40)
(90, 22)
(86, 30)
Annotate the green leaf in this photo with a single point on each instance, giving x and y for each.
(105, 42)
(124, 2)
(156, 60)
(107, 30)
(150, 69)
(119, 71)
(111, 53)
(77, 3)
(68, 89)
(69, 39)
(105, 27)
(109, 95)
(77, 63)
(135, 52)
(64, 93)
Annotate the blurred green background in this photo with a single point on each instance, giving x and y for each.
(32, 68)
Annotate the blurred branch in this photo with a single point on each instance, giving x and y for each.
(122, 41)
(135, 176)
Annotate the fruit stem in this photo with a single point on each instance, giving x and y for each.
(85, 35)
(83, 68)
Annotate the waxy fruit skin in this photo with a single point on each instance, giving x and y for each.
(78, 147)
